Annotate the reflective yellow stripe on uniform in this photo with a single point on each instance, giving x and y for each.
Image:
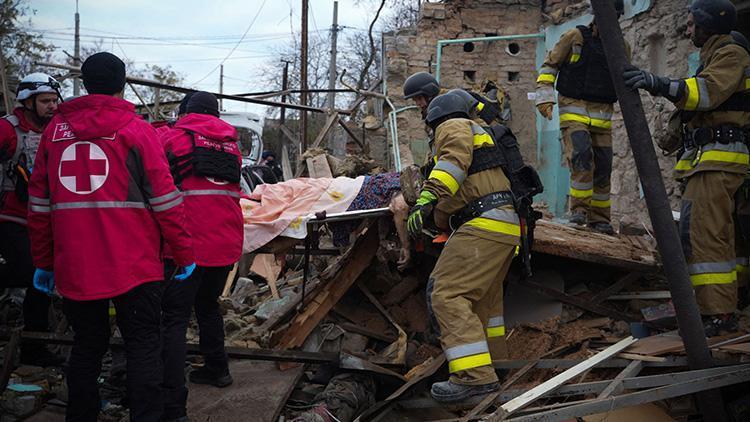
(496, 327)
(498, 221)
(697, 94)
(480, 106)
(546, 78)
(734, 153)
(741, 264)
(581, 190)
(601, 200)
(575, 54)
(467, 356)
(445, 178)
(481, 138)
(601, 120)
(705, 273)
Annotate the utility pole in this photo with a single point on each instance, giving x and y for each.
(303, 80)
(284, 87)
(221, 87)
(659, 210)
(77, 53)
(338, 150)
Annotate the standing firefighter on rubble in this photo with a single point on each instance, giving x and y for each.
(465, 290)
(577, 69)
(20, 133)
(715, 117)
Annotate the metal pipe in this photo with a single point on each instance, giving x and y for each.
(157, 84)
(659, 210)
(394, 132)
(441, 43)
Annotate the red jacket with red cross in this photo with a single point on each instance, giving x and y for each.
(212, 206)
(100, 199)
(13, 127)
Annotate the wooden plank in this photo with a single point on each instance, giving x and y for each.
(584, 245)
(615, 386)
(640, 397)
(230, 280)
(286, 167)
(555, 382)
(670, 342)
(415, 376)
(656, 295)
(352, 135)
(576, 301)
(741, 348)
(317, 167)
(259, 392)
(351, 265)
(487, 402)
(265, 265)
(616, 287)
(354, 328)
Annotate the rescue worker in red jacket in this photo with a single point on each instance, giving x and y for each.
(205, 159)
(100, 200)
(20, 132)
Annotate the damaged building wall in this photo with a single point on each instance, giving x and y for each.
(511, 64)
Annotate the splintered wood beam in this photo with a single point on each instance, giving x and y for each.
(555, 382)
(349, 267)
(615, 386)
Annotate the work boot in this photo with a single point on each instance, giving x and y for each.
(602, 227)
(713, 325)
(449, 392)
(39, 355)
(206, 375)
(578, 218)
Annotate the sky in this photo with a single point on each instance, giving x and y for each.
(192, 36)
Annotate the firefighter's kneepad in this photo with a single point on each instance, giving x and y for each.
(582, 156)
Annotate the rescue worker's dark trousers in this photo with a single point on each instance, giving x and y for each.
(201, 290)
(138, 315)
(18, 271)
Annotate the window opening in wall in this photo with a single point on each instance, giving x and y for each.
(513, 76)
(657, 54)
(470, 75)
(513, 49)
(490, 34)
(468, 47)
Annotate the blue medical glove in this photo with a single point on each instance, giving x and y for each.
(44, 281)
(185, 272)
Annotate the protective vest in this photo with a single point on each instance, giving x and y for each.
(586, 76)
(27, 143)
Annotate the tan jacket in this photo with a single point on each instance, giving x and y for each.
(455, 142)
(726, 70)
(568, 50)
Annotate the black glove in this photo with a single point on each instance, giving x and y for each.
(640, 79)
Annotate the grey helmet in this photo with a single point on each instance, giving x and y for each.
(421, 83)
(714, 16)
(448, 104)
(470, 100)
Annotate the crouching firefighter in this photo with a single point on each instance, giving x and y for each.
(715, 117)
(471, 196)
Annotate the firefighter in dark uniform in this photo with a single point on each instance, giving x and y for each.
(715, 106)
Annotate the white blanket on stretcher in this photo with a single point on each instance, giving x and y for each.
(285, 208)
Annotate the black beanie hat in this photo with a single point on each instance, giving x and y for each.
(182, 109)
(203, 102)
(103, 73)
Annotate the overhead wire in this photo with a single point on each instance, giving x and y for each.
(237, 45)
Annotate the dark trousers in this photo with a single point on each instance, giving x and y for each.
(18, 271)
(201, 290)
(138, 315)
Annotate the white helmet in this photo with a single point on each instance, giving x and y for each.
(37, 83)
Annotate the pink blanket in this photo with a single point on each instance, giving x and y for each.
(285, 207)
